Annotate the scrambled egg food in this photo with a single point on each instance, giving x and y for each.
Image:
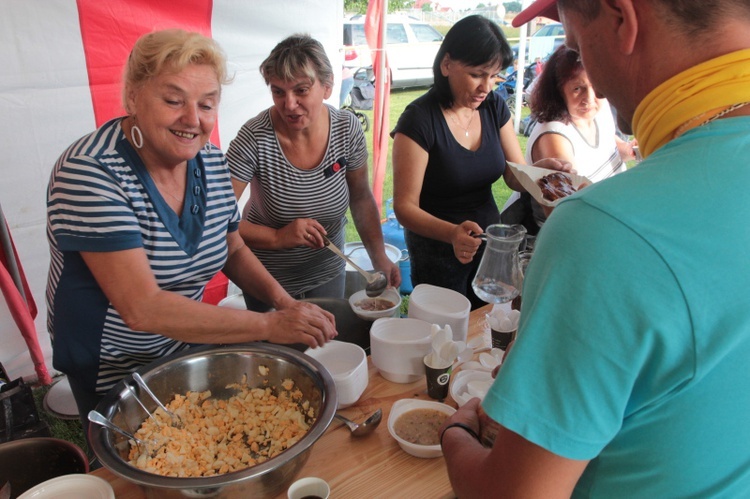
(214, 436)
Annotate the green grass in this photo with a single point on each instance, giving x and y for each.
(65, 429)
(399, 100)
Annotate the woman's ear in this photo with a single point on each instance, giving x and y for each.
(445, 65)
(327, 92)
(130, 100)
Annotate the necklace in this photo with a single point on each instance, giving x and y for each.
(466, 128)
(696, 122)
(172, 195)
(162, 188)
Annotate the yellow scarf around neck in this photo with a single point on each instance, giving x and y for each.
(691, 98)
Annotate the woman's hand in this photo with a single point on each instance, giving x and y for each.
(560, 165)
(302, 322)
(302, 232)
(465, 244)
(626, 149)
(392, 272)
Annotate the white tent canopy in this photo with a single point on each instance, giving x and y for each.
(46, 102)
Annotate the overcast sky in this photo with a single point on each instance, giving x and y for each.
(464, 4)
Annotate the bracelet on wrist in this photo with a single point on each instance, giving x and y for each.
(463, 426)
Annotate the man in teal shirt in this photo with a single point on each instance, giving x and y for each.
(630, 374)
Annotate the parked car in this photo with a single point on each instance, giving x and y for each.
(543, 42)
(411, 46)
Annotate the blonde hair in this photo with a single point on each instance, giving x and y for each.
(171, 50)
(297, 56)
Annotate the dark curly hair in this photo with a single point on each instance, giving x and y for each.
(474, 41)
(547, 101)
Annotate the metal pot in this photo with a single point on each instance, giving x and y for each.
(357, 252)
(213, 368)
(351, 328)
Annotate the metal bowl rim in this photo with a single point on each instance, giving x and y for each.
(123, 469)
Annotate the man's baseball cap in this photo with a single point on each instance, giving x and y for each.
(544, 8)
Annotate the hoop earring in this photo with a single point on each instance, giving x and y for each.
(136, 135)
(207, 147)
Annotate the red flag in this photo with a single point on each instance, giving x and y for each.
(374, 25)
(20, 302)
(103, 22)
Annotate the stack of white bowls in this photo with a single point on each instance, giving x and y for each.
(441, 306)
(347, 364)
(398, 347)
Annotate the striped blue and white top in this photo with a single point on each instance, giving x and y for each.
(101, 198)
(281, 193)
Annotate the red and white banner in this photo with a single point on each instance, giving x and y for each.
(60, 70)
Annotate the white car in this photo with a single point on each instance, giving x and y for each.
(411, 46)
(543, 42)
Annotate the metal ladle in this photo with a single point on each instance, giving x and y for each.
(376, 283)
(362, 429)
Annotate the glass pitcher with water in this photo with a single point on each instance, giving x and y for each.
(499, 277)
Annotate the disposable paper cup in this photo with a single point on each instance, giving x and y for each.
(308, 488)
(501, 339)
(438, 379)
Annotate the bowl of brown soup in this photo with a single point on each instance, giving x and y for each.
(367, 308)
(415, 425)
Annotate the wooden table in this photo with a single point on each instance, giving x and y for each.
(372, 466)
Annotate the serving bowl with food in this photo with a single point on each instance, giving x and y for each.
(246, 418)
(415, 425)
(371, 308)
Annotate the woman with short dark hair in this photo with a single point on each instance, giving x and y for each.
(306, 163)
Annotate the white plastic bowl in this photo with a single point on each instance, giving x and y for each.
(397, 347)
(460, 384)
(75, 486)
(347, 364)
(390, 294)
(405, 405)
(441, 306)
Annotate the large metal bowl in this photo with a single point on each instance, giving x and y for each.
(213, 368)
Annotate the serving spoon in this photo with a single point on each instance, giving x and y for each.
(98, 418)
(365, 428)
(176, 422)
(376, 283)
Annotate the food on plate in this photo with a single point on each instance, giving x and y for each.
(374, 304)
(220, 436)
(555, 186)
(420, 426)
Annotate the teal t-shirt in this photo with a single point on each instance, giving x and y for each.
(633, 349)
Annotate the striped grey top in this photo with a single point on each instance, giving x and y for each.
(281, 193)
(101, 198)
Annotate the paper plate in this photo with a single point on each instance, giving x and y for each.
(76, 486)
(59, 400)
(528, 176)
